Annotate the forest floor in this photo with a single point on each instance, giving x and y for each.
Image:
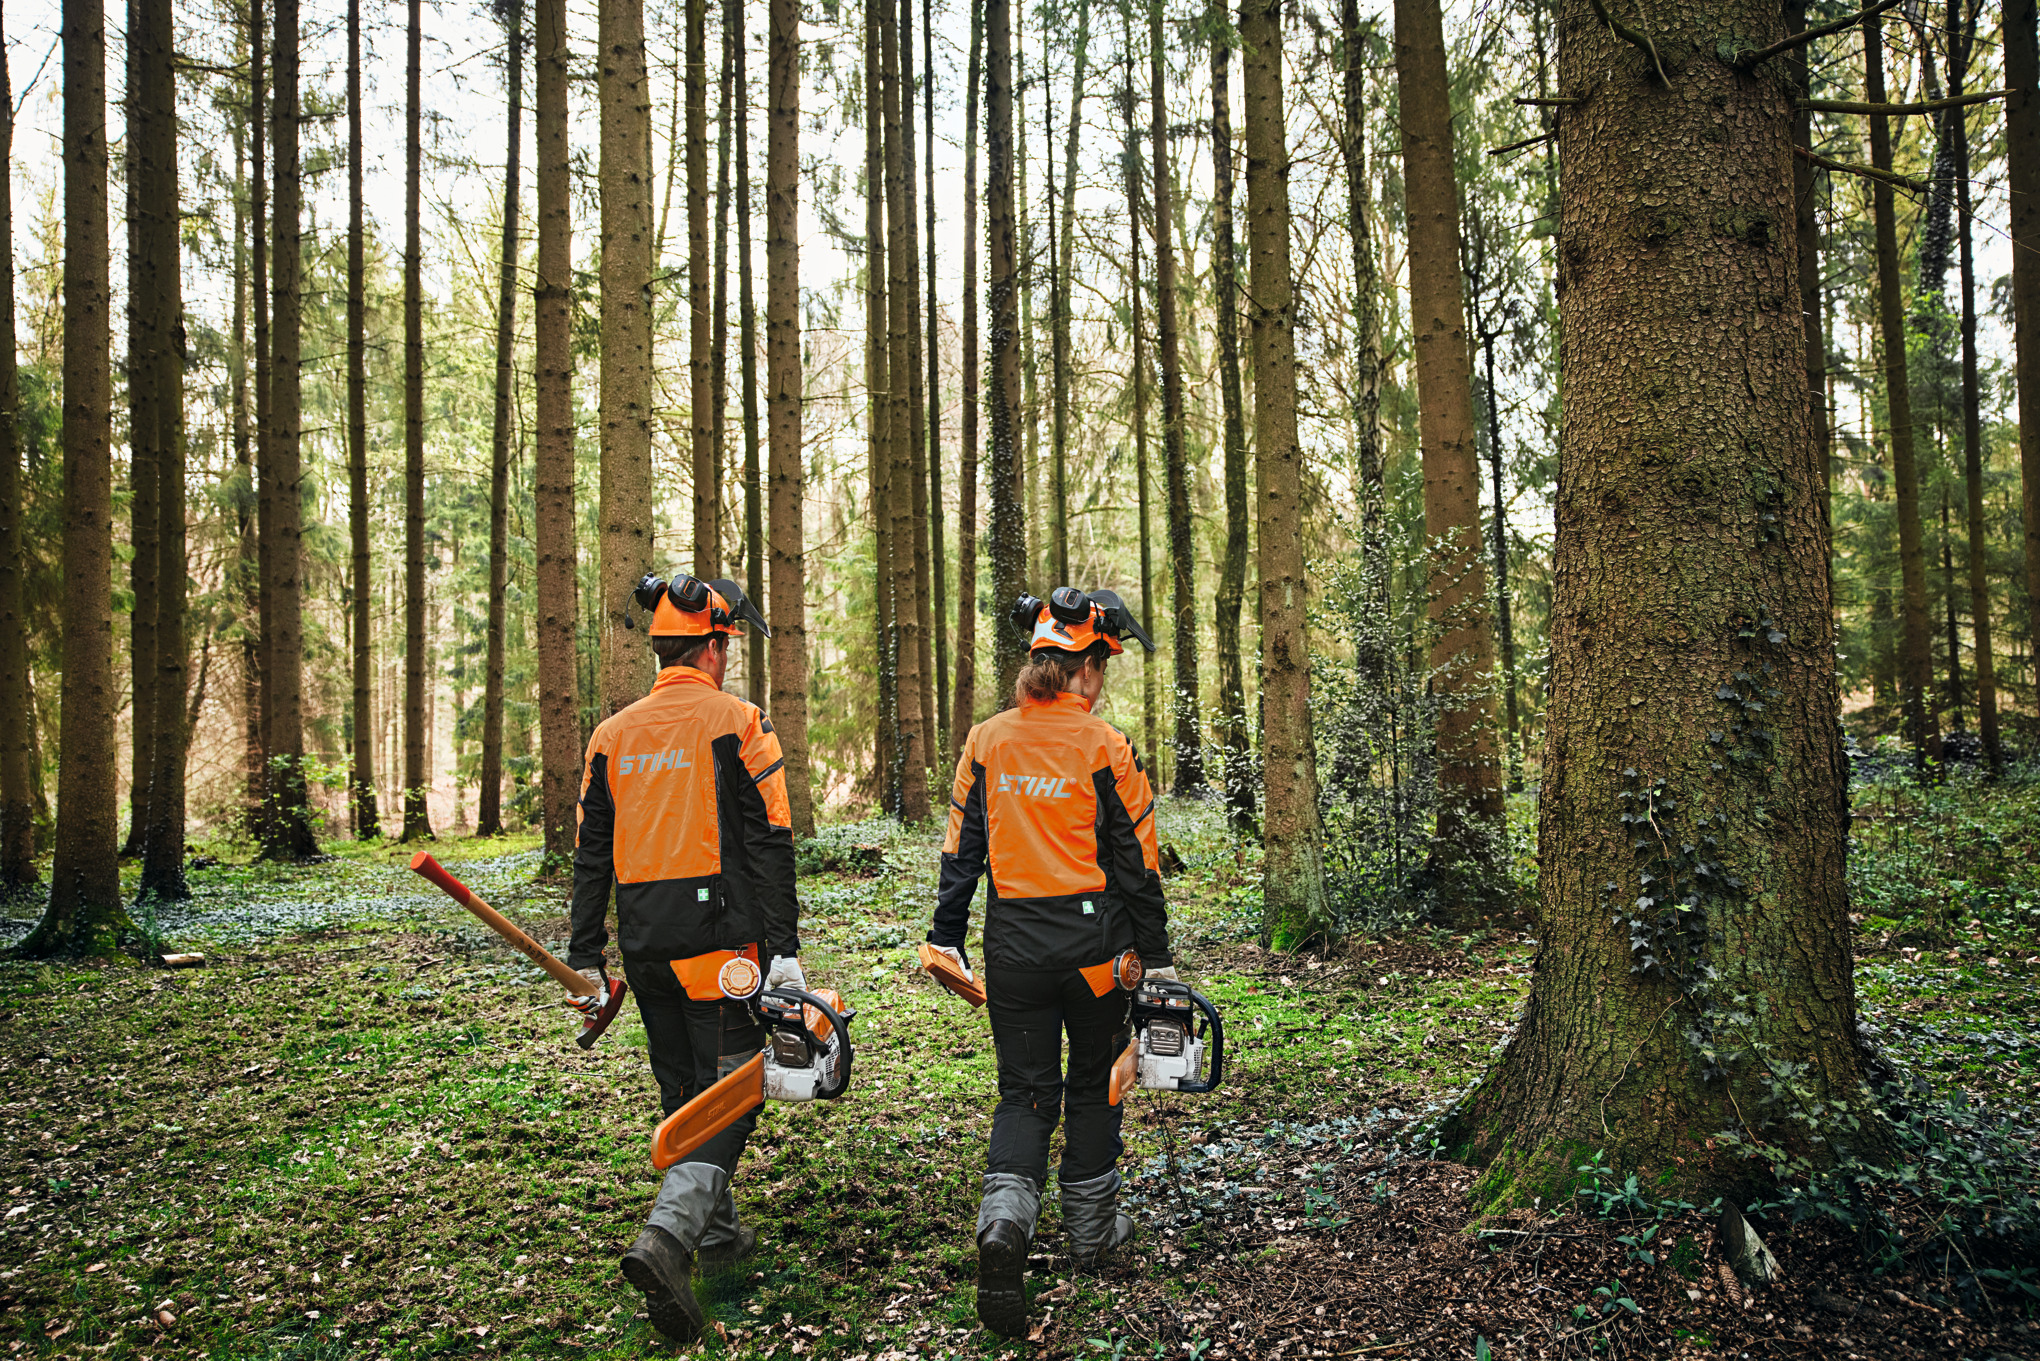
(361, 1131)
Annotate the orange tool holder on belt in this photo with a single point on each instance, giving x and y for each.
(570, 979)
(806, 1057)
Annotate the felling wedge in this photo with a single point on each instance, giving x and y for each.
(570, 979)
(943, 970)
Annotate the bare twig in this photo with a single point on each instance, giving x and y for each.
(1753, 58)
(1930, 106)
(1554, 102)
(1392, 1346)
(1868, 172)
(1637, 38)
(1518, 146)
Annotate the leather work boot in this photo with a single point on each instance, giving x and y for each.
(1090, 1211)
(1002, 1278)
(724, 1258)
(657, 1265)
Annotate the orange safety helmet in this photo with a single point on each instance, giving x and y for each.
(1072, 621)
(692, 608)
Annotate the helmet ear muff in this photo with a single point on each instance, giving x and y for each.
(1026, 609)
(646, 593)
(689, 595)
(1070, 606)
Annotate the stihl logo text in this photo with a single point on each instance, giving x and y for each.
(1036, 786)
(652, 762)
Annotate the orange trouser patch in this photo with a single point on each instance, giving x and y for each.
(1101, 977)
(699, 975)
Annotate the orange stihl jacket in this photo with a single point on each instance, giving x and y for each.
(1055, 802)
(683, 809)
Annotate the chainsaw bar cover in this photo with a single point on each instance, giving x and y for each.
(709, 1114)
(944, 971)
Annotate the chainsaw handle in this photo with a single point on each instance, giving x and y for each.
(835, 1018)
(1214, 1026)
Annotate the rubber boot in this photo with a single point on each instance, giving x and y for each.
(1090, 1213)
(661, 1262)
(726, 1244)
(1006, 1219)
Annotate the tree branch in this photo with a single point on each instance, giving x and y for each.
(1930, 106)
(1868, 172)
(1518, 146)
(1556, 102)
(1640, 39)
(1750, 58)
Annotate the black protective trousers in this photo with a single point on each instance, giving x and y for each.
(1031, 1011)
(691, 1045)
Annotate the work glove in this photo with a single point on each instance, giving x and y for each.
(591, 1006)
(1167, 971)
(785, 973)
(961, 962)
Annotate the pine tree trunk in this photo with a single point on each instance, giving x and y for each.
(1233, 734)
(907, 599)
(1027, 470)
(938, 600)
(1293, 874)
(1505, 627)
(1694, 810)
(1806, 185)
(361, 778)
(255, 564)
(1063, 280)
(84, 913)
(1915, 654)
(784, 391)
(289, 826)
(878, 406)
(719, 303)
(148, 327)
(1137, 331)
(1972, 455)
(417, 712)
(158, 305)
(1189, 747)
(917, 410)
(757, 689)
(1009, 541)
(624, 92)
(1466, 850)
(17, 718)
(559, 702)
(700, 292)
(1370, 650)
(489, 810)
(2022, 183)
(967, 475)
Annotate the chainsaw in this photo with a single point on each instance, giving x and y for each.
(1171, 1028)
(807, 1057)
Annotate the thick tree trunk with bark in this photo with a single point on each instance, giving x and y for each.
(1370, 656)
(707, 476)
(417, 712)
(627, 489)
(967, 474)
(1694, 812)
(559, 702)
(1137, 330)
(84, 913)
(938, 599)
(1972, 428)
(489, 806)
(148, 327)
(1233, 734)
(2021, 33)
(1915, 650)
(917, 410)
(1009, 532)
(17, 718)
(784, 390)
(156, 369)
(907, 598)
(361, 775)
(1059, 296)
(255, 564)
(1293, 872)
(1467, 849)
(719, 276)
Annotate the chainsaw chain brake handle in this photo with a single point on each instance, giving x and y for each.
(813, 1019)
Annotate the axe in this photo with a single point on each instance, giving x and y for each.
(570, 979)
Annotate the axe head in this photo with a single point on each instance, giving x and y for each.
(591, 1031)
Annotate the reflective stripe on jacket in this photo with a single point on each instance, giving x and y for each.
(683, 809)
(1054, 802)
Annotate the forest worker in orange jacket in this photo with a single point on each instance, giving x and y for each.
(1054, 803)
(683, 811)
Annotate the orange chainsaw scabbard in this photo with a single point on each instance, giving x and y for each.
(701, 976)
(709, 1114)
(1125, 1069)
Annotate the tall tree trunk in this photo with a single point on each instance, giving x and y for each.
(1806, 186)
(624, 92)
(2022, 182)
(1233, 734)
(156, 368)
(1915, 654)
(264, 478)
(148, 326)
(1469, 831)
(1955, 692)
(1972, 453)
(1064, 278)
(784, 389)
(938, 600)
(906, 597)
(1137, 331)
(1371, 653)
(361, 778)
(917, 410)
(1691, 599)
(967, 475)
(1293, 872)
(1505, 626)
(719, 303)
(1189, 745)
(17, 737)
(417, 711)
(1009, 542)
(84, 912)
(1028, 469)
(290, 830)
(754, 508)
(700, 299)
(489, 809)
(559, 720)
(877, 353)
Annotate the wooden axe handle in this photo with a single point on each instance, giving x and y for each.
(570, 979)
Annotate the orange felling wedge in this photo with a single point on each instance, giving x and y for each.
(945, 972)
